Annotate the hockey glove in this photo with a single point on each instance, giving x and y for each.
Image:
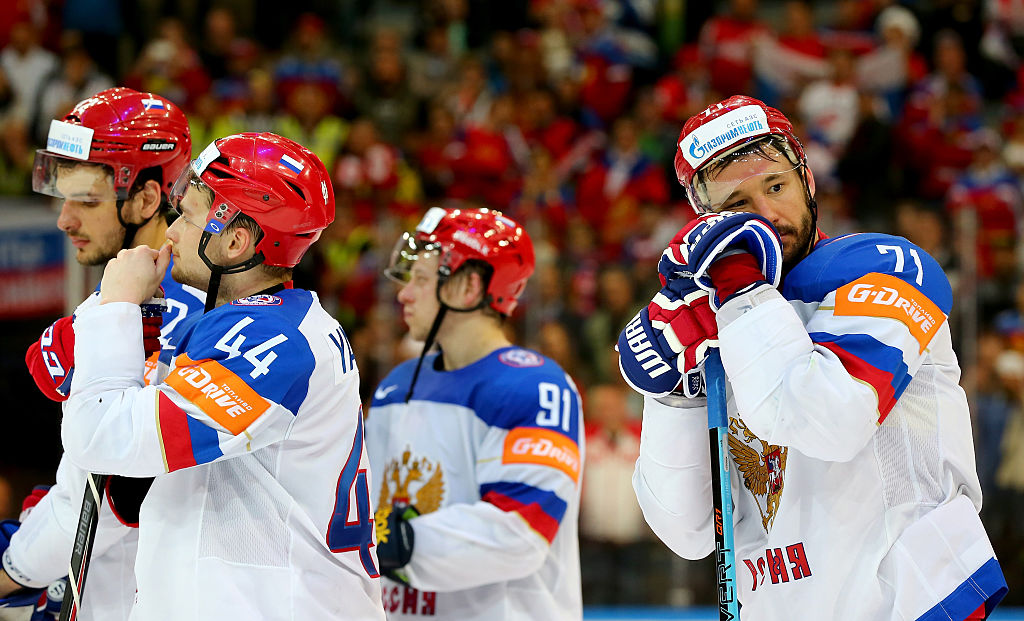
(395, 538)
(51, 359)
(716, 236)
(662, 350)
(25, 597)
(33, 498)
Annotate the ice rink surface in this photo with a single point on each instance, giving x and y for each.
(709, 614)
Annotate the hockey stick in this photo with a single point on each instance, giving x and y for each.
(88, 519)
(721, 488)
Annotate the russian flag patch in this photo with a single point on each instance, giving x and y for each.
(153, 104)
(291, 164)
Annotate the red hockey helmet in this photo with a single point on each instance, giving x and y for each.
(725, 128)
(125, 131)
(275, 181)
(459, 235)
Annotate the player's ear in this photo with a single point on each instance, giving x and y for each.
(810, 180)
(239, 245)
(146, 201)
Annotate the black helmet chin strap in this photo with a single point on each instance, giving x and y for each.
(443, 275)
(217, 270)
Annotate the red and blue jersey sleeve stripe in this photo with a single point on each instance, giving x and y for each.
(879, 365)
(542, 510)
(185, 440)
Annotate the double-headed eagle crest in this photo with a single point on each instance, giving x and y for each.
(400, 476)
(763, 470)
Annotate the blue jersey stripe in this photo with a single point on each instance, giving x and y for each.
(205, 442)
(549, 502)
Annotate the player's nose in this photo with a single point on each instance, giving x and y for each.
(68, 220)
(767, 208)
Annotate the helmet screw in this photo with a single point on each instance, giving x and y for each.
(266, 197)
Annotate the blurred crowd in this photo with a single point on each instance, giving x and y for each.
(564, 114)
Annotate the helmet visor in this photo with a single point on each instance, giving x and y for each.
(74, 179)
(716, 182)
(192, 199)
(719, 185)
(408, 250)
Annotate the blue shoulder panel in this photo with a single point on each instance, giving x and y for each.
(259, 341)
(511, 387)
(837, 261)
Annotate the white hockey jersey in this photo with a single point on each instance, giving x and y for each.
(40, 550)
(491, 455)
(853, 475)
(261, 506)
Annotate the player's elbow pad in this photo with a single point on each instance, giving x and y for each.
(689, 538)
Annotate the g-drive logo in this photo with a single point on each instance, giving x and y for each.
(69, 140)
(728, 129)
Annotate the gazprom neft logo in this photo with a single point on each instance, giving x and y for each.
(728, 129)
(210, 153)
(69, 140)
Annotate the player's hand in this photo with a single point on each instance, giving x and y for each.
(395, 539)
(663, 349)
(51, 359)
(715, 237)
(134, 275)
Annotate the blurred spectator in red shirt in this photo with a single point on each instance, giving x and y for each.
(487, 172)
(544, 127)
(989, 191)
(683, 92)
(618, 180)
(608, 55)
(168, 65)
(727, 42)
(366, 174)
(785, 63)
(941, 113)
(436, 150)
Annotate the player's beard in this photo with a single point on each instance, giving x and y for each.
(101, 249)
(794, 252)
(193, 277)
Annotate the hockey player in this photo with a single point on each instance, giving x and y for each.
(852, 465)
(112, 161)
(479, 447)
(260, 506)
